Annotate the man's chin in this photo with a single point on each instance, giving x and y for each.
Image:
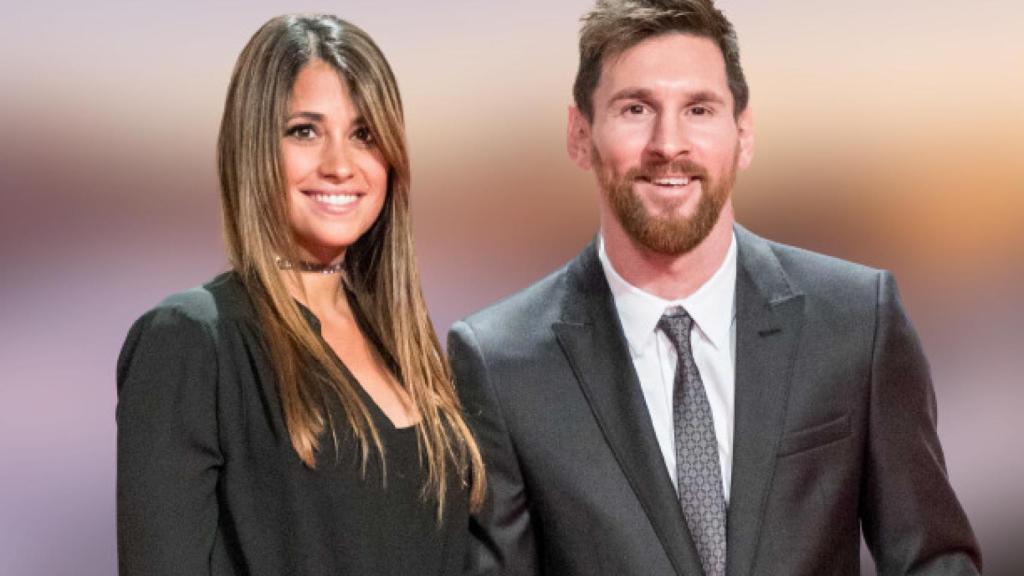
(669, 213)
(668, 239)
(671, 230)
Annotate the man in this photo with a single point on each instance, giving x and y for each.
(685, 397)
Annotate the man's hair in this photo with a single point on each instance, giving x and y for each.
(614, 26)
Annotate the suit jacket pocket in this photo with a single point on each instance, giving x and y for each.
(815, 436)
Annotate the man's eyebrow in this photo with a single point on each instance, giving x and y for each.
(632, 94)
(706, 96)
(647, 95)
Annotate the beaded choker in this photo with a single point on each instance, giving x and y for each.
(302, 266)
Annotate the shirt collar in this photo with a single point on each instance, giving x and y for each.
(712, 306)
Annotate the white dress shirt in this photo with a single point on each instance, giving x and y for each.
(713, 341)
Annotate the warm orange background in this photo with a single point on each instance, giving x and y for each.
(887, 133)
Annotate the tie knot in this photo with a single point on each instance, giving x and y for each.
(676, 324)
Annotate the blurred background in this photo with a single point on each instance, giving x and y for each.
(887, 133)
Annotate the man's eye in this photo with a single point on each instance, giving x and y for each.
(302, 132)
(635, 109)
(700, 111)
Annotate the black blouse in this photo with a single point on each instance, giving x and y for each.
(208, 481)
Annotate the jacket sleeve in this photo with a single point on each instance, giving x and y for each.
(502, 539)
(168, 454)
(912, 520)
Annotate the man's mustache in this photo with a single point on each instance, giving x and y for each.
(652, 170)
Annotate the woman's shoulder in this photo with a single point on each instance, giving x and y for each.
(190, 326)
(196, 317)
(222, 299)
(170, 371)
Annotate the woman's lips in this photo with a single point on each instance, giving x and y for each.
(334, 202)
(334, 199)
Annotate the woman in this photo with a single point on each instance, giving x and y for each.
(296, 415)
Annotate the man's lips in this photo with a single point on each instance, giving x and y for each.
(678, 173)
(671, 181)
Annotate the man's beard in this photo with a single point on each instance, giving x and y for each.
(668, 235)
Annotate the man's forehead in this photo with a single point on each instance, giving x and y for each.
(673, 59)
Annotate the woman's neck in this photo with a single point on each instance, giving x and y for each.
(321, 293)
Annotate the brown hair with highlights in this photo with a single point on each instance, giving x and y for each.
(383, 279)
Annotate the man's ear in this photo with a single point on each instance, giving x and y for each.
(577, 138)
(745, 131)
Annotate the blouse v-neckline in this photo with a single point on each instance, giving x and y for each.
(374, 407)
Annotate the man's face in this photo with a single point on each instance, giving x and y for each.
(664, 141)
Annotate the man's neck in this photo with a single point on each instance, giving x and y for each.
(665, 276)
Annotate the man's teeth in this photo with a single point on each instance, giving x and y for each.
(671, 181)
(336, 199)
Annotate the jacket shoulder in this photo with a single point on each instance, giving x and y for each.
(222, 298)
(189, 324)
(827, 277)
(522, 312)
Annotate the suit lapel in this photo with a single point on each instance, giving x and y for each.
(591, 337)
(769, 318)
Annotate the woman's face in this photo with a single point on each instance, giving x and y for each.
(335, 176)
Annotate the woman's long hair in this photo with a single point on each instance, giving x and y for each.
(380, 266)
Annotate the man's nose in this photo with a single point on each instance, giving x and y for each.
(669, 137)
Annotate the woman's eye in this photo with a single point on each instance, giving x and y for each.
(302, 132)
(363, 134)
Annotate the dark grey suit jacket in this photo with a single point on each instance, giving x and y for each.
(834, 431)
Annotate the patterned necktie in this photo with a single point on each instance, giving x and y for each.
(698, 473)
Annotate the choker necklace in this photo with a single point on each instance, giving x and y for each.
(301, 266)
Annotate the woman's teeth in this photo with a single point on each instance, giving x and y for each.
(336, 199)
